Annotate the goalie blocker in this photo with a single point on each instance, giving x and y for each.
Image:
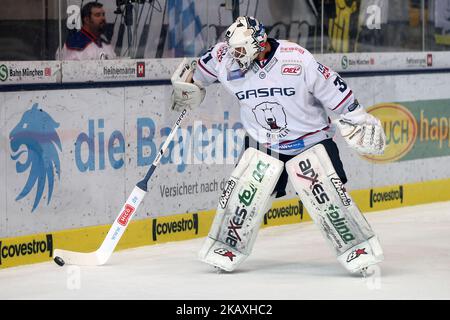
(332, 209)
(242, 205)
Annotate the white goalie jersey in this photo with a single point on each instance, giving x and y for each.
(282, 98)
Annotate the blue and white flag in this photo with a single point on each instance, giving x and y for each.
(185, 29)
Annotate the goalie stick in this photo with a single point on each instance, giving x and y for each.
(102, 254)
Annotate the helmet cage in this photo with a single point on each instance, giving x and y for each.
(246, 38)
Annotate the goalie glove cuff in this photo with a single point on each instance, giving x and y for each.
(186, 96)
(360, 116)
(362, 131)
(364, 138)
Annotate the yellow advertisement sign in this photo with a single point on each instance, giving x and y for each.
(25, 250)
(39, 248)
(175, 227)
(400, 127)
(285, 212)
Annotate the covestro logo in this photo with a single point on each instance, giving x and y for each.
(382, 198)
(290, 211)
(17, 250)
(174, 228)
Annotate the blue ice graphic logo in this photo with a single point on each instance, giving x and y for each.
(37, 132)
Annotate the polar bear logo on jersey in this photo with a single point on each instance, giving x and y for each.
(271, 116)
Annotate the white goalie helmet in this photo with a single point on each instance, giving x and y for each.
(246, 38)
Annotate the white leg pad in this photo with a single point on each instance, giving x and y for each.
(362, 255)
(332, 209)
(242, 205)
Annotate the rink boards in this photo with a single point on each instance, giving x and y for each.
(70, 156)
(38, 248)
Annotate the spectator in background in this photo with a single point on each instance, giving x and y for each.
(88, 43)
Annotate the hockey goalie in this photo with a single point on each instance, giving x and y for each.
(283, 94)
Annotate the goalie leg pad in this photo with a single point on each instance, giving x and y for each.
(242, 205)
(361, 256)
(331, 208)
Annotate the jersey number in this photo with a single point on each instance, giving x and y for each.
(342, 86)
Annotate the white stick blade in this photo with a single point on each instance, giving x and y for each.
(79, 258)
(108, 245)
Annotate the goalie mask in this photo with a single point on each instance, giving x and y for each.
(246, 38)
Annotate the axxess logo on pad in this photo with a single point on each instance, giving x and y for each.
(234, 225)
(334, 213)
(235, 232)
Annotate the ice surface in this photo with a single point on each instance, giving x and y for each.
(288, 262)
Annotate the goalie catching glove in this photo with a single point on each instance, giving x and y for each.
(362, 132)
(185, 95)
